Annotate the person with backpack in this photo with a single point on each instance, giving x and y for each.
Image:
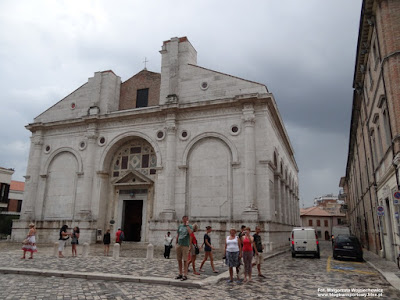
(119, 236)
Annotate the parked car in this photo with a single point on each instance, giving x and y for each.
(304, 241)
(347, 246)
(339, 230)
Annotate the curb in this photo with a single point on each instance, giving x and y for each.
(389, 276)
(102, 276)
(125, 278)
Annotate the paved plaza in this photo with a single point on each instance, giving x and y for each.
(286, 277)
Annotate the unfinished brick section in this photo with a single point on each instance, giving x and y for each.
(142, 80)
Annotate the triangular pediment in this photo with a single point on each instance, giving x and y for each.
(133, 178)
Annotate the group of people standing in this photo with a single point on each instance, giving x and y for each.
(65, 236)
(244, 245)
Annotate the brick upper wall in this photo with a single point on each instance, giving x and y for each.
(142, 80)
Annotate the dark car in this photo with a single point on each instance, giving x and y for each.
(347, 246)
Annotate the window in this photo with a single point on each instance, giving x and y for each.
(136, 155)
(326, 223)
(387, 128)
(339, 221)
(376, 55)
(142, 98)
(318, 222)
(309, 222)
(371, 81)
(374, 153)
(378, 129)
(19, 205)
(4, 189)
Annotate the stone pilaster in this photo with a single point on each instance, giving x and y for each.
(32, 177)
(169, 209)
(251, 211)
(277, 192)
(85, 211)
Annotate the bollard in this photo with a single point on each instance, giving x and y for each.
(85, 250)
(55, 249)
(116, 250)
(271, 246)
(150, 251)
(8, 238)
(266, 247)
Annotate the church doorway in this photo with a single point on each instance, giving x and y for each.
(132, 220)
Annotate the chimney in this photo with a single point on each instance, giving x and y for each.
(176, 54)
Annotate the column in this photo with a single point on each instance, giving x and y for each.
(277, 189)
(32, 178)
(169, 209)
(282, 200)
(250, 212)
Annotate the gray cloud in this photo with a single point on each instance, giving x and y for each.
(303, 51)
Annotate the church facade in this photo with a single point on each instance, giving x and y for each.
(142, 153)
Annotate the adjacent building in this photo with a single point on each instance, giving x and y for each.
(15, 196)
(5, 181)
(321, 220)
(330, 203)
(372, 172)
(142, 153)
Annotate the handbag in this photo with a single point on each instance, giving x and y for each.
(196, 249)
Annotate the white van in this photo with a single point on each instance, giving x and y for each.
(304, 241)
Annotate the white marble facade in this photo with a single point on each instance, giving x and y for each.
(214, 148)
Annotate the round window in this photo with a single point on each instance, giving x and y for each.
(47, 149)
(204, 85)
(160, 135)
(235, 129)
(82, 145)
(101, 141)
(73, 105)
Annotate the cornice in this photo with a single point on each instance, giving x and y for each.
(159, 110)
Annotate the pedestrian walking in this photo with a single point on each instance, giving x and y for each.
(194, 251)
(30, 242)
(74, 240)
(119, 236)
(64, 236)
(233, 252)
(107, 242)
(258, 249)
(241, 233)
(208, 250)
(167, 244)
(247, 250)
(182, 247)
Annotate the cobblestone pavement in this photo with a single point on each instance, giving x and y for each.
(286, 278)
(131, 262)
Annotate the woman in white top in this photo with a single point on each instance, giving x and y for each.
(233, 252)
(30, 241)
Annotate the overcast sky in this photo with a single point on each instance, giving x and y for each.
(303, 51)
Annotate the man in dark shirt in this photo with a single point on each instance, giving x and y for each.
(259, 253)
